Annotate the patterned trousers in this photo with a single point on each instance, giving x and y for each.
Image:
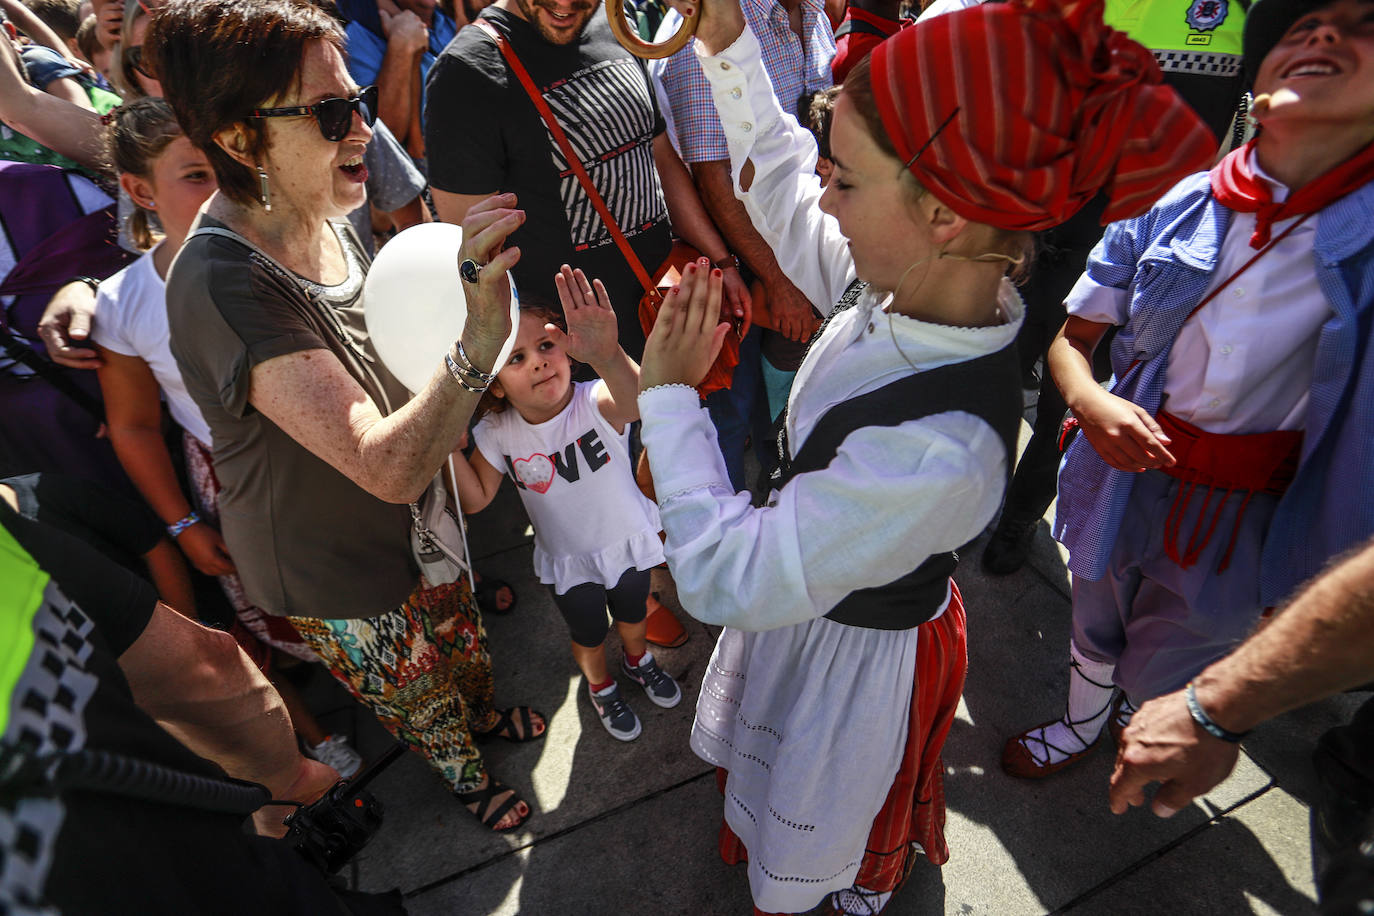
(423, 670)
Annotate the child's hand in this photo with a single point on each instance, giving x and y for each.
(688, 331)
(593, 337)
(1124, 434)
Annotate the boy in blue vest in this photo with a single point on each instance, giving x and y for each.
(1234, 454)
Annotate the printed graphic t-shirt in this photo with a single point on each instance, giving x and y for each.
(484, 135)
(573, 473)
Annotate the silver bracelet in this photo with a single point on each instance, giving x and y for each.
(461, 376)
(468, 367)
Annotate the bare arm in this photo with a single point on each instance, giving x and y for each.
(788, 305)
(693, 223)
(201, 687)
(477, 481)
(133, 411)
(312, 398)
(27, 22)
(410, 214)
(1318, 646)
(1122, 433)
(406, 40)
(59, 125)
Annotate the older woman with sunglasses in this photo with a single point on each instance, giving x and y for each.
(315, 444)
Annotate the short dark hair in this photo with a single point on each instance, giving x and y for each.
(217, 60)
(58, 15)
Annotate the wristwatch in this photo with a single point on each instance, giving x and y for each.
(726, 262)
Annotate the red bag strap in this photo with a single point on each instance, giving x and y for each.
(562, 140)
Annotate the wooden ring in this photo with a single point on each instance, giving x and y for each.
(649, 50)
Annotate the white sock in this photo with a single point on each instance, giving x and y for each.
(1089, 706)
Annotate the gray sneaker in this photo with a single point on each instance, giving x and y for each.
(661, 688)
(620, 720)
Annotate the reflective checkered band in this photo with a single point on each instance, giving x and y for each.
(1198, 62)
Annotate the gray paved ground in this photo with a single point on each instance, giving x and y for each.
(631, 828)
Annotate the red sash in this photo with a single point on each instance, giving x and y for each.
(1222, 465)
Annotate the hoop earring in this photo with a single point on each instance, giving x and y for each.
(264, 190)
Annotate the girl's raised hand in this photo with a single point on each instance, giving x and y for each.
(593, 336)
(688, 332)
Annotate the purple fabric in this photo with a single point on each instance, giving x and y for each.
(53, 239)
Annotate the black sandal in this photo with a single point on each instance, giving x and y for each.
(488, 811)
(487, 587)
(516, 725)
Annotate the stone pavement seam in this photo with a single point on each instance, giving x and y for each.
(1109, 882)
(559, 834)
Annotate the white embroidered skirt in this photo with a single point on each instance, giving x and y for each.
(811, 722)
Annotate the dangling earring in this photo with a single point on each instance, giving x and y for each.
(264, 190)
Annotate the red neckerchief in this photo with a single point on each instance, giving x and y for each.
(1235, 185)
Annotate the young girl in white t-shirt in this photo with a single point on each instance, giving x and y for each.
(164, 174)
(565, 446)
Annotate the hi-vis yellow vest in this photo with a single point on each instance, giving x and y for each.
(1201, 37)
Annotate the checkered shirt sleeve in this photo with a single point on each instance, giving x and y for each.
(794, 67)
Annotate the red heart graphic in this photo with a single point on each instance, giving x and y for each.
(537, 473)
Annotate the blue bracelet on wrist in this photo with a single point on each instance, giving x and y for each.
(175, 529)
(1201, 718)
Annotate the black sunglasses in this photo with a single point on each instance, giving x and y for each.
(134, 57)
(335, 116)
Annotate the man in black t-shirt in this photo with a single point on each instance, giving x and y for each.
(484, 135)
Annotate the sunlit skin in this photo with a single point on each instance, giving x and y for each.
(178, 182)
(1316, 92)
(537, 379)
(557, 22)
(311, 178)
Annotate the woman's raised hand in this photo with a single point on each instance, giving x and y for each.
(688, 332)
(486, 228)
(721, 22)
(593, 336)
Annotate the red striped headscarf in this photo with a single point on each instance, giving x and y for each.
(1053, 106)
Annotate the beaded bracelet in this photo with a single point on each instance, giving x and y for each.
(176, 528)
(1201, 718)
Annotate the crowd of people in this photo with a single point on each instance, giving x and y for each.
(843, 236)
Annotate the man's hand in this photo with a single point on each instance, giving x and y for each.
(66, 325)
(791, 310)
(1163, 744)
(313, 779)
(739, 303)
(1122, 433)
(405, 29)
(721, 22)
(688, 332)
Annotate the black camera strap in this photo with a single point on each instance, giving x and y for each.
(110, 773)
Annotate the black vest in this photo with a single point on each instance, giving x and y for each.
(988, 387)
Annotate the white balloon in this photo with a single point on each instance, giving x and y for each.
(414, 305)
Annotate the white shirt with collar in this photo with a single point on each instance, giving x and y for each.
(1243, 364)
(810, 716)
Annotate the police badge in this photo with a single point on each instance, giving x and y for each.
(1205, 15)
